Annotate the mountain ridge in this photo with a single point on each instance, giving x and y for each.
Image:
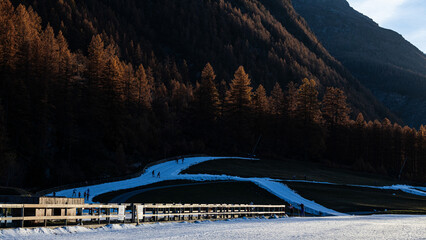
(390, 66)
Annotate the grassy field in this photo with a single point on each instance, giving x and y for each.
(13, 191)
(290, 169)
(215, 192)
(106, 197)
(211, 192)
(358, 199)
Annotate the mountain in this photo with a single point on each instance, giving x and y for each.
(381, 59)
(267, 37)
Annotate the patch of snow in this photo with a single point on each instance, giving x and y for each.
(346, 227)
(415, 190)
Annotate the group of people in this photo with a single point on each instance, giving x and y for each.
(86, 194)
(158, 174)
(182, 159)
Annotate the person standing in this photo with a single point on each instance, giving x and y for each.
(158, 174)
(74, 192)
(291, 209)
(302, 210)
(153, 173)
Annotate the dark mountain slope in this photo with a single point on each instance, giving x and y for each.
(267, 37)
(382, 59)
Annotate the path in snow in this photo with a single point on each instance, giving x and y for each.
(342, 228)
(171, 171)
(415, 190)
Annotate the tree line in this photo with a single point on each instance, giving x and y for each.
(69, 116)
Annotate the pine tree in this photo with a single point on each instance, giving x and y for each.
(334, 107)
(308, 106)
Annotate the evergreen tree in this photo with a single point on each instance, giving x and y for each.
(334, 107)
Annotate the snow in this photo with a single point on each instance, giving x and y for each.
(415, 190)
(421, 191)
(346, 227)
(168, 170)
(171, 171)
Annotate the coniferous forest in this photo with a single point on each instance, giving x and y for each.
(87, 94)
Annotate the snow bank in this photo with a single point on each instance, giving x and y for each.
(349, 227)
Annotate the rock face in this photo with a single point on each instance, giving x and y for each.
(391, 67)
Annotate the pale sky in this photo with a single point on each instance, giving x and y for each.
(407, 17)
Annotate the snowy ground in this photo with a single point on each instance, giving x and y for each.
(347, 227)
(171, 171)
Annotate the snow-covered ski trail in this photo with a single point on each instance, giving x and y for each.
(171, 170)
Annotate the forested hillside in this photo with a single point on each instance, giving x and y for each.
(381, 59)
(100, 88)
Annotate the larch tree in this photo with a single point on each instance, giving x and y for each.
(260, 100)
(240, 91)
(334, 107)
(8, 36)
(277, 100)
(97, 61)
(291, 99)
(308, 106)
(143, 88)
(207, 96)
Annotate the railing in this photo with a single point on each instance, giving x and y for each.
(24, 215)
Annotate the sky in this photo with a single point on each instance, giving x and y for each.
(407, 17)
